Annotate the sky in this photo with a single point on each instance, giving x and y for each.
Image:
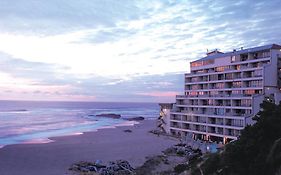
(125, 50)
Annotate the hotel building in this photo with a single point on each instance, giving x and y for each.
(223, 91)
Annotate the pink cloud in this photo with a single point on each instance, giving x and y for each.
(50, 93)
(159, 94)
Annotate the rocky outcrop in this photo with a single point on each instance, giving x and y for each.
(139, 118)
(119, 167)
(109, 115)
(86, 167)
(182, 150)
(128, 130)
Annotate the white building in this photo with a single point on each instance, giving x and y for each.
(164, 117)
(223, 91)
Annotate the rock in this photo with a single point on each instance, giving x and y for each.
(119, 167)
(139, 118)
(127, 130)
(157, 132)
(114, 116)
(86, 167)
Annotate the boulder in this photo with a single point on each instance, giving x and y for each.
(109, 115)
(139, 118)
(86, 167)
(127, 130)
(119, 167)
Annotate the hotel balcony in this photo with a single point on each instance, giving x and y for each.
(215, 121)
(198, 119)
(231, 132)
(236, 71)
(199, 128)
(181, 96)
(215, 130)
(175, 117)
(186, 126)
(186, 118)
(239, 106)
(231, 122)
(175, 125)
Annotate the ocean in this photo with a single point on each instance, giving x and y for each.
(35, 122)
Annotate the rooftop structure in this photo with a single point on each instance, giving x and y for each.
(223, 91)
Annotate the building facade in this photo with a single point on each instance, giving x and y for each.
(163, 122)
(223, 91)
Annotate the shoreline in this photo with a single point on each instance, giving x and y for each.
(106, 144)
(53, 139)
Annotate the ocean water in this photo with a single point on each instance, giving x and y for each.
(35, 122)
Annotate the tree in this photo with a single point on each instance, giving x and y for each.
(258, 149)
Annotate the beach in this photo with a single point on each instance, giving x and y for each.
(108, 144)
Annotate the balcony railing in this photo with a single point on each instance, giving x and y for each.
(181, 96)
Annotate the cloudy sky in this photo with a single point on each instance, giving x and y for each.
(125, 50)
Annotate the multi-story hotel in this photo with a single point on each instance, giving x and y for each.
(223, 91)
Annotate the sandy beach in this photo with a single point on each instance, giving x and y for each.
(105, 144)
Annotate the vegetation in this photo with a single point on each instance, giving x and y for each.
(180, 168)
(150, 164)
(256, 152)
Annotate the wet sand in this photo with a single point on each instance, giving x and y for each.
(105, 144)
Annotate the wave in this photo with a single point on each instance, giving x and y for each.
(14, 111)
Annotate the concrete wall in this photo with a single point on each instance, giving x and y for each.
(271, 73)
(166, 119)
(257, 100)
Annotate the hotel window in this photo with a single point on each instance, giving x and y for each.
(246, 102)
(194, 79)
(249, 92)
(233, 58)
(201, 71)
(237, 67)
(219, 111)
(228, 76)
(258, 73)
(236, 92)
(248, 111)
(255, 55)
(264, 54)
(188, 80)
(196, 64)
(202, 63)
(194, 87)
(214, 93)
(210, 102)
(256, 83)
(213, 77)
(219, 85)
(207, 62)
(237, 84)
(238, 122)
(222, 68)
(193, 93)
(244, 57)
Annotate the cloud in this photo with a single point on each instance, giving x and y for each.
(159, 94)
(53, 17)
(122, 50)
(42, 81)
